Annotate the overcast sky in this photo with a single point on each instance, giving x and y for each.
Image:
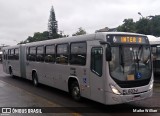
(21, 18)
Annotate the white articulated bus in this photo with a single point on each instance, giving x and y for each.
(108, 67)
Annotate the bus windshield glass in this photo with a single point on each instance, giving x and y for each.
(130, 63)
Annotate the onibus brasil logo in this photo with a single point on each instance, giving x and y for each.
(8, 111)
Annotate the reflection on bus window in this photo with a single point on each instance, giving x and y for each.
(16, 55)
(40, 54)
(78, 53)
(130, 62)
(32, 54)
(50, 53)
(96, 60)
(62, 54)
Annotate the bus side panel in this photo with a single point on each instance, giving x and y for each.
(15, 64)
(50, 74)
(61, 72)
(29, 69)
(41, 71)
(82, 74)
(54, 75)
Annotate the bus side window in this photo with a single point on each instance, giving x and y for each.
(78, 53)
(96, 60)
(12, 54)
(40, 54)
(62, 54)
(4, 55)
(50, 53)
(158, 52)
(27, 53)
(8, 54)
(16, 54)
(32, 54)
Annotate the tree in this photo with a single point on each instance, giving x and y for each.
(52, 32)
(149, 25)
(62, 34)
(155, 25)
(143, 26)
(52, 25)
(79, 32)
(127, 26)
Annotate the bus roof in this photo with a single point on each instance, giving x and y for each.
(87, 37)
(153, 40)
(120, 33)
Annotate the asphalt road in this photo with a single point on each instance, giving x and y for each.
(87, 107)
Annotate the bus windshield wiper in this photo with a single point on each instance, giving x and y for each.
(137, 60)
(121, 57)
(137, 53)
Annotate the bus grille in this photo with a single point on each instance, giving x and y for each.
(129, 84)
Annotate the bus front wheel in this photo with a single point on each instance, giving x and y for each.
(35, 79)
(75, 91)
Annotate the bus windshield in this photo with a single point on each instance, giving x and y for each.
(130, 63)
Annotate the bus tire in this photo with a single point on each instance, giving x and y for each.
(35, 79)
(75, 91)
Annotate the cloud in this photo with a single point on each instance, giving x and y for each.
(21, 18)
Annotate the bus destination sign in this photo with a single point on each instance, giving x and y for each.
(131, 39)
(128, 39)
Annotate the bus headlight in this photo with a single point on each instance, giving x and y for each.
(151, 86)
(115, 90)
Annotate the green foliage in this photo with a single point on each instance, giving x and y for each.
(80, 31)
(143, 26)
(127, 26)
(52, 32)
(36, 37)
(155, 25)
(52, 25)
(41, 37)
(146, 25)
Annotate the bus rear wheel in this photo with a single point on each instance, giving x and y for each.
(35, 79)
(75, 91)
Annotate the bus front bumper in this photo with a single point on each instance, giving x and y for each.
(112, 98)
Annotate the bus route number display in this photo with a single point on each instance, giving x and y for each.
(128, 39)
(131, 39)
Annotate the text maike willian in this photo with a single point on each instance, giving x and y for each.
(146, 110)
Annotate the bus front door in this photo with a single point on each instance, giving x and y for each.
(96, 75)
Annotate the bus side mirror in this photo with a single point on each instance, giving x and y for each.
(108, 53)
